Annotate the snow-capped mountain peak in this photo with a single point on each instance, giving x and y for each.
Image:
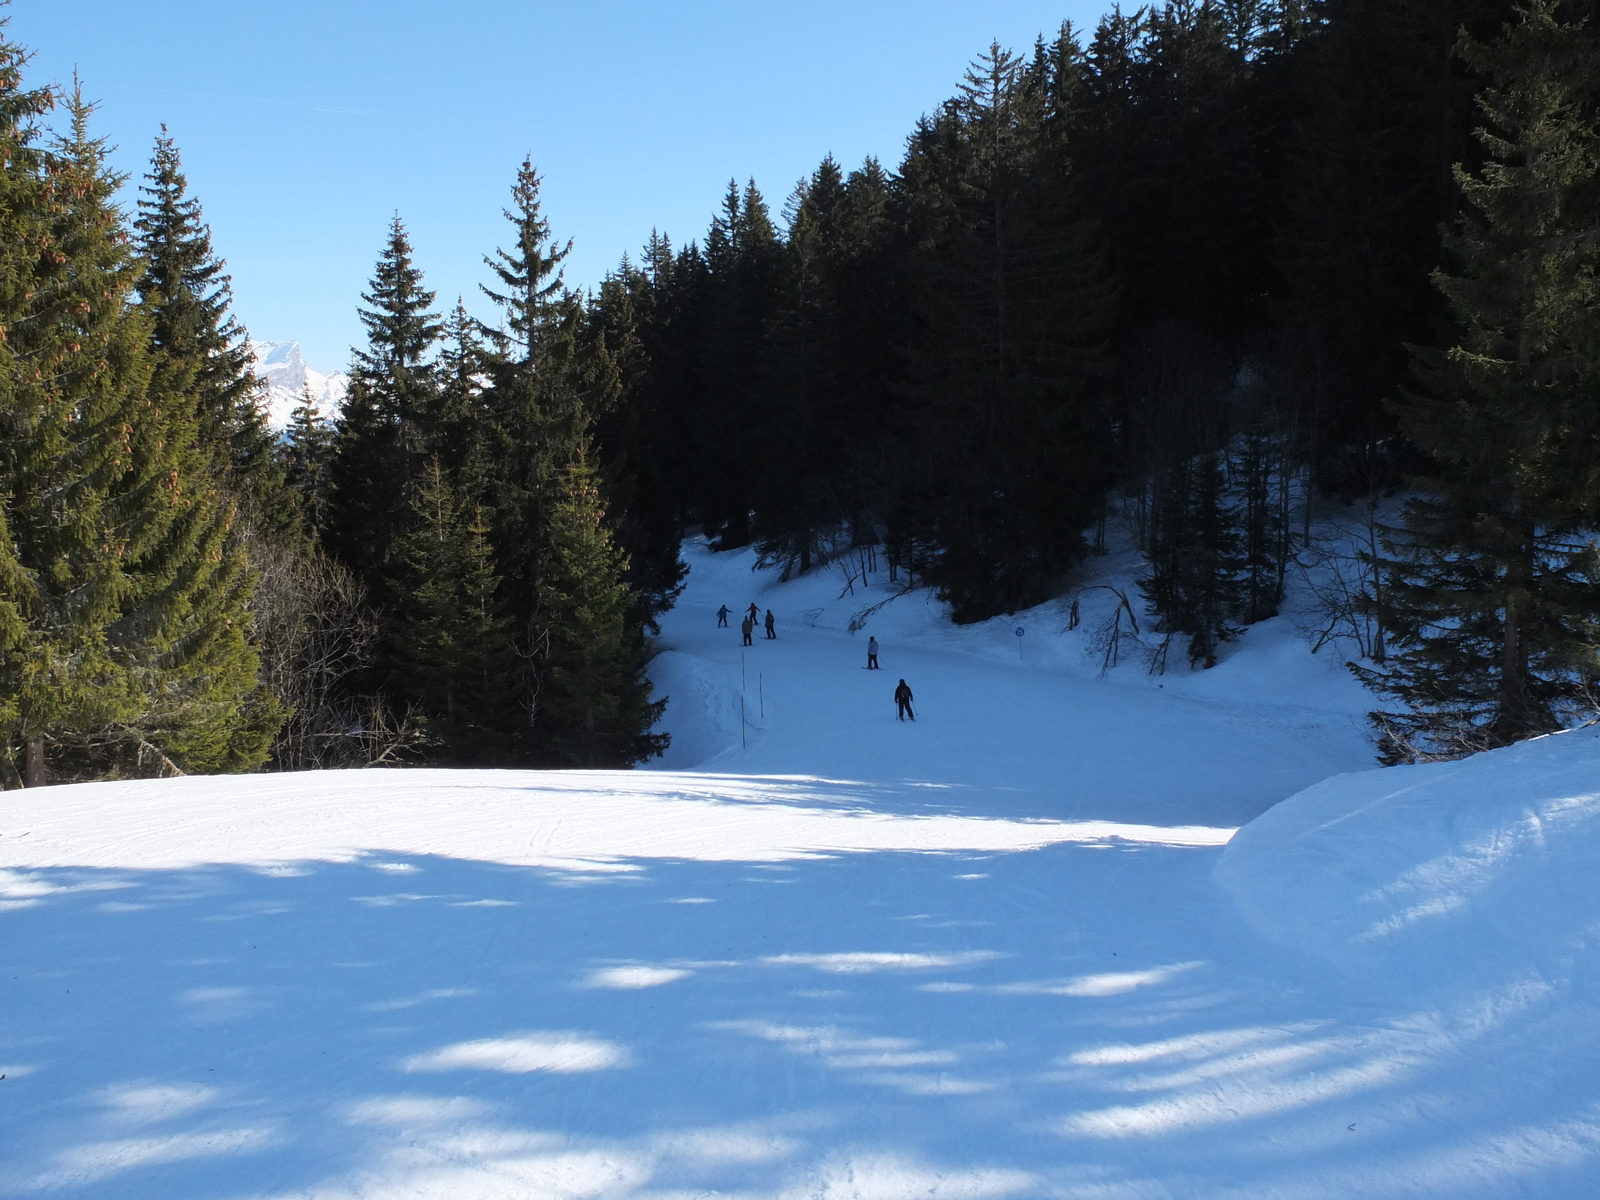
(286, 376)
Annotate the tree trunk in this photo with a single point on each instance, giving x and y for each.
(33, 769)
(1516, 718)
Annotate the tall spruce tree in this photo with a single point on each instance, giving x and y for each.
(1493, 583)
(200, 350)
(455, 643)
(745, 277)
(383, 439)
(1194, 556)
(578, 622)
(796, 425)
(1013, 306)
(25, 440)
(594, 696)
(533, 412)
(634, 442)
(456, 422)
(1381, 111)
(308, 447)
(135, 656)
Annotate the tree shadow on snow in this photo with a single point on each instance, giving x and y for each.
(874, 1025)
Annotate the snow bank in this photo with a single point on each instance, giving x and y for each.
(1446, 874)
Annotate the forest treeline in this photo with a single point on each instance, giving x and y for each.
(1203, 267)
(435, 578)
(1193, 272)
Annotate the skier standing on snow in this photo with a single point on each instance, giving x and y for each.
(745, 627)
(902, 701)
(872, 654)
(755, 612)
(771, 632)
(722, 616)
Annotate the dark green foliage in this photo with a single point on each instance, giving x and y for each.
(629, 438)
(1174, 160)
(538, 409)
(383, 430)
(453, 428)
(1170, 272)
(1193, 548)
(131, 591)
(1005, 401)
(578, 623)
(1385, 109)
(1261, 469)
(745, 275)
(200, 350)
(455, 646)
(593, 705)
(1493, 584)
(308, 448)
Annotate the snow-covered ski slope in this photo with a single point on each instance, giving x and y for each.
(998, 953)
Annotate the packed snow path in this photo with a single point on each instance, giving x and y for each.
(1016, 725)
(981, 956)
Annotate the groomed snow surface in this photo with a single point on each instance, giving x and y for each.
(1006, 951)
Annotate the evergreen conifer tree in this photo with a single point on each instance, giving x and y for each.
(24, 445)
(308, 447)
(551, 375)
(546, 385)
(745, 277)
(1493, 583)
(135, 654)
(634, 441)
(1013, 306)
(384, 428)
(1193, 549)
(200, 351)
(455, 644)
(456, 424)
(594, 706)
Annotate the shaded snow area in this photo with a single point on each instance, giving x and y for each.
(1006, 951)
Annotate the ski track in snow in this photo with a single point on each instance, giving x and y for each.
(981, 956)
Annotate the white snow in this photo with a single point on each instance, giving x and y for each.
(1005, 951)
(285, 375)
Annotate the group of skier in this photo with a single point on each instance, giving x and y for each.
(747, 628)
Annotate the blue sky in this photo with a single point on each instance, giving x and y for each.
(305, 124)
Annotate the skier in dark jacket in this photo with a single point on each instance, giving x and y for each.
(771, 625)
(746, 627)
(902, 701)
(722, 616)
(755, 612)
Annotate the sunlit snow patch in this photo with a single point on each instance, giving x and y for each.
(629, 978)
(138, 1105)
(94, 1161)
(861, 962)
(562, 1053)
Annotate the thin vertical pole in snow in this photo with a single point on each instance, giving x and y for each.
(742, 743)
(761, 694)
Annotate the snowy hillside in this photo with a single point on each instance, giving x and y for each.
(280, 367)
(1005, 951)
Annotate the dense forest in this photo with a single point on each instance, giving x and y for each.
(1197, 273)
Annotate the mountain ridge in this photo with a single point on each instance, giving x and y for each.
(285, 376)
